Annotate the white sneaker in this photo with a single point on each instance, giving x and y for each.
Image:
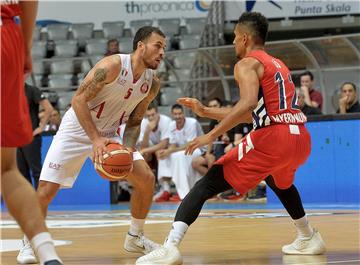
(165, 255)
(139, 244)
(26, 254)
(313, 245)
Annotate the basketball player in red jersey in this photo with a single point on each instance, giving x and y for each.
(277, 146)
(16, 130)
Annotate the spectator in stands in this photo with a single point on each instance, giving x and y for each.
(154, 136)
(29, 156)
(305, 108)
(202, 163)
(112, 47)
(348, 102)
(54, 121)
(182, 130)
(313, 97)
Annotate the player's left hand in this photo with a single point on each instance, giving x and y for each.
(198, 142)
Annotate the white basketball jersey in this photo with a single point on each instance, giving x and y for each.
(113, 105)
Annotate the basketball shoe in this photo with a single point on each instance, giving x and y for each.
(165, 255)
(139, 244)
(313, 245)
(26, 254)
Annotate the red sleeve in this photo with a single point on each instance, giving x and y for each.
(317, 97)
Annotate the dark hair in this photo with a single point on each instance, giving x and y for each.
(112, 40)
(309, 74)
(218, 100)
(145, 32)
(177, 106)
(152, 106)
(257, 23)
(348, 83)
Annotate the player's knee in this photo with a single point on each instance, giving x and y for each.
(46, 192)
(146, 181)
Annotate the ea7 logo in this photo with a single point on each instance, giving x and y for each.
(54, 166)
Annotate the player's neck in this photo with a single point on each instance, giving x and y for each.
(256, 47)
(137, 66)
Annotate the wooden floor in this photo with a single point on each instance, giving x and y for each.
(219, 237)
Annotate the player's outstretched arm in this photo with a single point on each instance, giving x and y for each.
(247, 76)
(104, 72)
(132, 129)
(199, 109)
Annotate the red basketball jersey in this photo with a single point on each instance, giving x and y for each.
(10, 9)
(277, 100)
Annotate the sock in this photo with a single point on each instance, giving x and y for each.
(303, 227)
(136, 226)
(177, 233)
(44, 247)
(166, 186)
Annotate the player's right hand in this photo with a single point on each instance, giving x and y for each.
(99, 149)
(192, 103)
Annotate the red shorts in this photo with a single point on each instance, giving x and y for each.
(276, 150)
(16, 128)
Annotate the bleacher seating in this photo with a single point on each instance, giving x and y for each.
(126, 44)
(96, 46)
(38, 49)
(169, 26)
(58, 31)
(113, 30)
(136, 24)
(66, 48)
(189, 42)
(169, 95)
(82, 31)
(195, 26)
(60, 81)
(62, 67)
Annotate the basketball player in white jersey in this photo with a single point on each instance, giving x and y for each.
(117, 90)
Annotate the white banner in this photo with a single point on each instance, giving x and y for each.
(291, 8)
(100, 11)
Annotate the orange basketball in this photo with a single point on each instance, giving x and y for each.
(118, 165)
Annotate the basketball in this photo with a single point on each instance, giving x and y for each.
(118, 165)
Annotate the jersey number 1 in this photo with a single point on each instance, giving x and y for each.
(282, 93)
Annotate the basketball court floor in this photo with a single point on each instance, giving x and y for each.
(226, 233)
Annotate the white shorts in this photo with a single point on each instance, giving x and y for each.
(68, 152)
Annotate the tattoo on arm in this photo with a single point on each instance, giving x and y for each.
(91, 87)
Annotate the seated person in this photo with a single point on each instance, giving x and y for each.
(305, 108)
(112, 47)
(348, 102)
(182, 130)
(154, 136)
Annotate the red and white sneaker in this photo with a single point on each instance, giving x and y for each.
(162, 196)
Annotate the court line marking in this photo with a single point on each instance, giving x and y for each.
(328, 262)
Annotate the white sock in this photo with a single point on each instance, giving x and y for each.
(136, 226)
(166, 186)
(303, 227)
(177, 233)
(44, 247)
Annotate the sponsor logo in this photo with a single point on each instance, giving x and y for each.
(143, 8)
(54, 166)
(289, 118)
(144, 88)
(203, 5)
